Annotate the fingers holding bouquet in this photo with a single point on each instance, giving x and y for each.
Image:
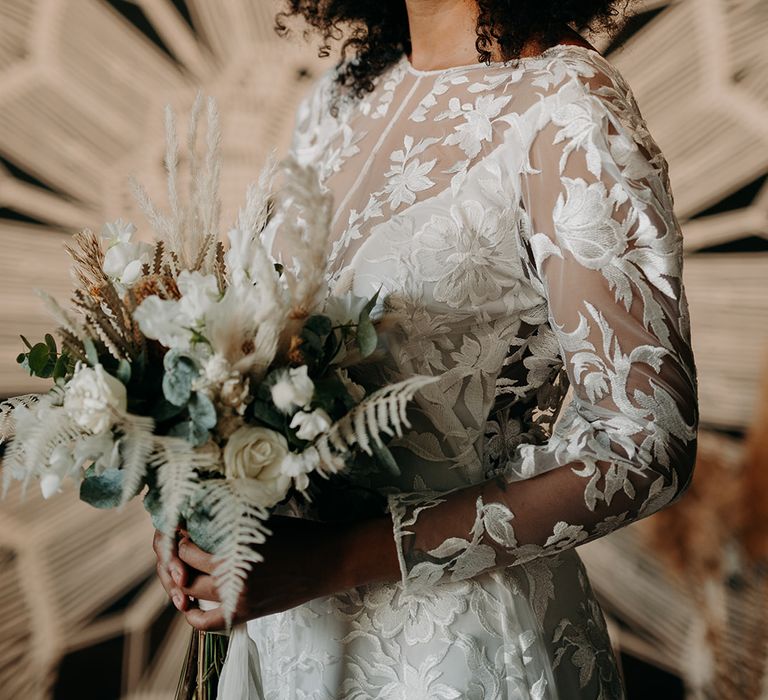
(303, 560)
(174, 573)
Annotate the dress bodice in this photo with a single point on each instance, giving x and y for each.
(519, 220)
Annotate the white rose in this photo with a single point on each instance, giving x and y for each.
(310, 425)
(293, 389)
(258, 453)
(93, 397)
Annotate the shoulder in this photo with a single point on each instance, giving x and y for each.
(318, 96)
(581, 96)
(313, 116)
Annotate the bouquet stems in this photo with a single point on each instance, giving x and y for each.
(200, 673)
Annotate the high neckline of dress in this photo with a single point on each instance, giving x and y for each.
(546, 53)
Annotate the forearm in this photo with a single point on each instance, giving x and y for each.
(367, 554)
(501, 522)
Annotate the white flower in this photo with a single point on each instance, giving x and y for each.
(219, 381)
(345, 308)
(172, 322)
(297, 465)
(60, 463)
(118, 231)
(123, 259)
(93, 397)
(310, 425)
(50, 484)
(258, 453)
(215, 371)
(293, 389)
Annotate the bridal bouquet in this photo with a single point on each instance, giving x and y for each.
(202, 375)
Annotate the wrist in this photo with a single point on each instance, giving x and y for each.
(368, 553)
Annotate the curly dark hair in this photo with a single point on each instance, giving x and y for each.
(376, 31)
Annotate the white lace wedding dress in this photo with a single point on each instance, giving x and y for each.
(519, 220)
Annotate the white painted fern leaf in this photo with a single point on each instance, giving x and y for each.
(39, 430)
(177, 462)
(381, 412)
(137, 444)
(7, 409)
(236, 513)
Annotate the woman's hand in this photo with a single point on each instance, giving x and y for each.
(174, 574)
(303, 560)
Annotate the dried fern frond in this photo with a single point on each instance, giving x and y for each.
(157, 258)
(138, 442)
(88, 260)
(381, 412)
(236, 513)
(45, 427)
(220, 268)
(72, 344)
(177, 462)
(115, 330)
(7, 407)
(122, 320)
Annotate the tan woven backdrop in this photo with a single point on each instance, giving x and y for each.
(82, 89)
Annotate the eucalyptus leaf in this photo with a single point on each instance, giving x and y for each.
(102, 490)
(190, 431)
(367, 339)
(319, 324)
(26, 342)
(177, 383)
(23, 360)
(124, 371)
(60, 368)
(199, 527)
(262, 411)
(38, 357)
(154, 506)
(202, 411)
(90, 352)
(385, 458)
(50, 341)
(165, 410)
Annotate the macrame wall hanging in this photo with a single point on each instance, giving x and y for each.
(82, 89)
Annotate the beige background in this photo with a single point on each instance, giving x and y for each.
(83, 84)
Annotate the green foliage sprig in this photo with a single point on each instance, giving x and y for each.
(44, 360)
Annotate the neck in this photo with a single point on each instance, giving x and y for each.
(442, 33)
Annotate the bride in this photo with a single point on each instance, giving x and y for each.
(493, 174)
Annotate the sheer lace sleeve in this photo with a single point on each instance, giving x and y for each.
(601, 244)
